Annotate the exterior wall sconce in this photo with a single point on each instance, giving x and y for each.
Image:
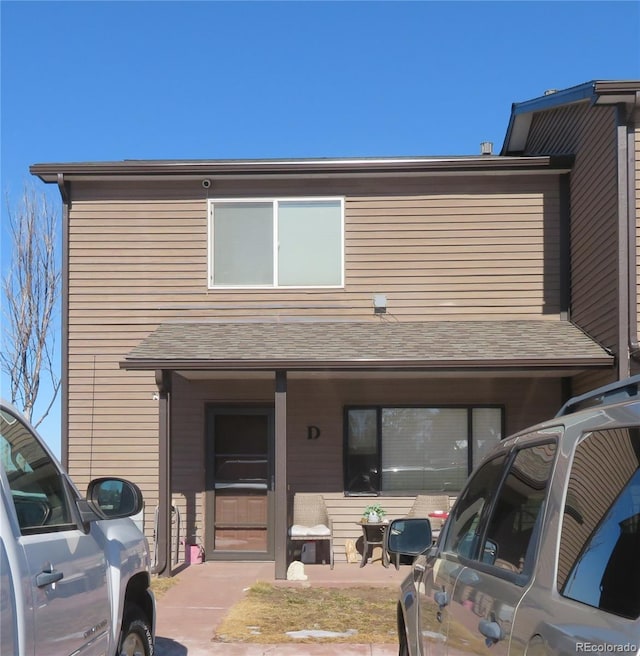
(379, 304)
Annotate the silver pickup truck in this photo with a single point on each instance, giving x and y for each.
(540, 555)
(74, 571)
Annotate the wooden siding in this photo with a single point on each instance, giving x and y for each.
(317, 465)
(588, 132)
(472, 248)
(636, 207)
(481, 253)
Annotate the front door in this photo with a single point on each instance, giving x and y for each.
(240, 482)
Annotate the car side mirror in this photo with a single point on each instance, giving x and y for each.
(409, 536)
(114, 498)
(490, 552)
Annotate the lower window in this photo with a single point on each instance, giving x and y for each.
(415, 449)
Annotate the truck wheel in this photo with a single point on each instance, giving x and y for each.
(136, 638)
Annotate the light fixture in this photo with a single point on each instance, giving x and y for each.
(379, 304)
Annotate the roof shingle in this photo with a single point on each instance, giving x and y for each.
(335, 344)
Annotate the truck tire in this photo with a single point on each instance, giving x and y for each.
(403, 640)
(136, 638)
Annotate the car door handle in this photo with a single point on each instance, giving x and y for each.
(491, 630)
(48, 577)
(441, 598)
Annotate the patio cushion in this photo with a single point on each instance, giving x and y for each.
(319, 529)
(311, 520)
(299, 531)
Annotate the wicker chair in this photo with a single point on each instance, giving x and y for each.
(311, 521)
(428, 503)
(422, 506)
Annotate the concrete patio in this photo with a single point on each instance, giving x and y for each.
(191, 610)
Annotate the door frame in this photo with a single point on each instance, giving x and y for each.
(211, 410)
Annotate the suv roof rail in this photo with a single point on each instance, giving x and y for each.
(621, 390)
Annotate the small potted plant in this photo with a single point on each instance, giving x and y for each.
(374, 513)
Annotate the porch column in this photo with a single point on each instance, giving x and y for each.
(163, 529)
(280, 493)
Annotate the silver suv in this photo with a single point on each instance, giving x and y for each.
(540, 554)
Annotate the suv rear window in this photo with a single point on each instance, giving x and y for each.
(600, 539)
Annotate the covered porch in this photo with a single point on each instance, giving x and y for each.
(291, 385)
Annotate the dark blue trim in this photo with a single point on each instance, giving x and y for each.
(564, 97)
(584, 91)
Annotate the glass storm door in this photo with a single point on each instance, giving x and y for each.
(239, 483)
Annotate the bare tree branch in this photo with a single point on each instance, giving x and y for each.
(31, 288)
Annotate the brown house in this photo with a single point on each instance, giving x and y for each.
(236, 332)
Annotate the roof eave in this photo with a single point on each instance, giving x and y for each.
(538, 364)
(597, 92)
(49, 172)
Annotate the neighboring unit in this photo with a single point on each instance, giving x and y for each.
(540, 551)
(239, 331)
(74, 572)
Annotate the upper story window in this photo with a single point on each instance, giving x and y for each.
(276, 242)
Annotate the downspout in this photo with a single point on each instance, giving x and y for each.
(630, 163)
(65, 193)
(163, 528)
(624, 246)
(281, 483)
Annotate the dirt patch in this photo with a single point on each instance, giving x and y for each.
(268, 613)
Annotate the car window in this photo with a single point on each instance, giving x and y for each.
(464, 524)
(600, 538)
(37, 486)
(518, 507)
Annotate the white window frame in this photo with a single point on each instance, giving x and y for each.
(275, 201)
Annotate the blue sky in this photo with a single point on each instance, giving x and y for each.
(83, 81)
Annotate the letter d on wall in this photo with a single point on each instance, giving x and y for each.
(313, 432)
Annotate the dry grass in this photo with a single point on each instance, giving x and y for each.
(267, 612)
(161, 585)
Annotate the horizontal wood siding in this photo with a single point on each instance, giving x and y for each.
(636, 205)
(488, 252)
(456, 256)
(583, 383)
(472, 248)
(589, 133)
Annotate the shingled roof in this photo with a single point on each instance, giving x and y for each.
(313, 345)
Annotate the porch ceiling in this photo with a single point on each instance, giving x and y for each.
(372, 345)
